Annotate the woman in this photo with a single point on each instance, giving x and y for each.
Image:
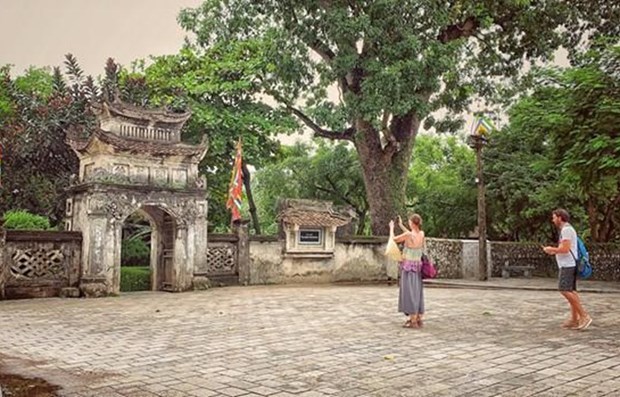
(411, 292)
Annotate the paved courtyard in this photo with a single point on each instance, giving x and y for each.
(313, 341)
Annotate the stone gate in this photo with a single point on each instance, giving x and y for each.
(135, 162)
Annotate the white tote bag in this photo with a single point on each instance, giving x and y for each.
(392, 251)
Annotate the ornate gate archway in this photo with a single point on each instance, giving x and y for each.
(136, 161)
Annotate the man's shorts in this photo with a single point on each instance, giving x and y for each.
(567, 279)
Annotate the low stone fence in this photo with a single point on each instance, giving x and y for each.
(39, 264)
(362, 259)
(605, 259)
(46, 264)
(521, 254)
(354, 259)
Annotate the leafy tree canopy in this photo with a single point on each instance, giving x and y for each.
(562, 149)
(393, 62)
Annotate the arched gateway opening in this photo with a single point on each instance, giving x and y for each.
(153, 229)
(136, 253)
(135, 162)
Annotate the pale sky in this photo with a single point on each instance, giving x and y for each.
(41, 32)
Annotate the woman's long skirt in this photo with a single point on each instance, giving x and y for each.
(411, 293)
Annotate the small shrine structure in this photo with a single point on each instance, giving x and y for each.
(309, 227)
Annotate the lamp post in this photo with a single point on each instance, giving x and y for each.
(477, 141)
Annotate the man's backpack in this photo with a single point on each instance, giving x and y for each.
(584, 268)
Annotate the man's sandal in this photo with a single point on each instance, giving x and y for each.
(569, 324)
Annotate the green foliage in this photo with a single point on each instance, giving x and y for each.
(393, 61)
(442, 186)
(524, 185)
(7, 106)
(441, 183)
(136, 245)
(135, 278)
(135, 252)
(561, 149)
(325, 172)
(219, 85)
(36, 82)
(37, 163)
(24, 220)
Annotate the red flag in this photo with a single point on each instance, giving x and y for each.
(235, 189)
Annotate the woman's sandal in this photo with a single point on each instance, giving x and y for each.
(410, 324)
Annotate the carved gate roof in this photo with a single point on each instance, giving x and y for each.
(136, 113)
(137, 146)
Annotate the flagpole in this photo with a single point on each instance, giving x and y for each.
(236, 186)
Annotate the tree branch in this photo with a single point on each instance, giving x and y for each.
(459, 30)
(387, 133)
(310, 38)
(342, 196)
(346, 135)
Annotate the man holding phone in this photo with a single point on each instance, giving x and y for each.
(565, 255)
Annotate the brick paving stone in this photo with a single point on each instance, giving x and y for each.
(232, 392)
(283, 341)
(203, 393)
(263, 391)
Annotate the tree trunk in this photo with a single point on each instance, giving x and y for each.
(601, 218)
(248, 192)
(385, 169)
(361, 225)
(592, 219)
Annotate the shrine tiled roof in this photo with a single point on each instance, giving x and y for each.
(136, 146)
(312, 218)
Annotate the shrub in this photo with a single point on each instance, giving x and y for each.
(134, 278)
(24, 220)
(135, 252)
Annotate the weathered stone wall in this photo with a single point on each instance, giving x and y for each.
(41, 264)
(362, 259)
(354, 259)
(521, 254)
(225, 262)
(447, 255)
(605, 259)
(266, 260)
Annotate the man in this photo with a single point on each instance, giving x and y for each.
(565, 255)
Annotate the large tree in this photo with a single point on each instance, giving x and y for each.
(393, 62)
(562, 148)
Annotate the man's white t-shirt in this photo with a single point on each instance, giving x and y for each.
(567, 259)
